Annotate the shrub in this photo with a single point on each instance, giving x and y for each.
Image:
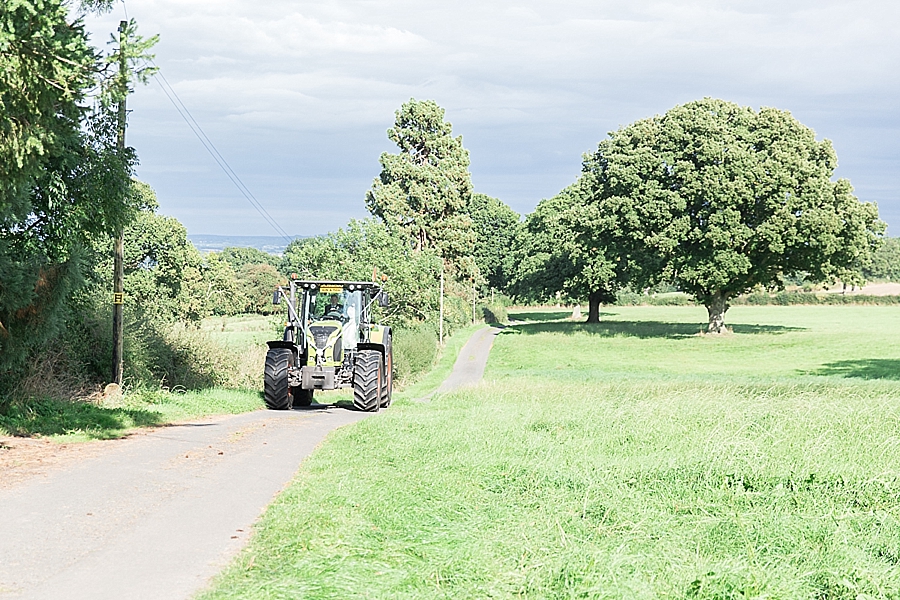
(494, 312)
(794, 298)
(415, 350)
(629, 298)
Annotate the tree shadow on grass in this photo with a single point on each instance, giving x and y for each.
(639, 329)
(548, 315)
(55, 417)
(867, 368)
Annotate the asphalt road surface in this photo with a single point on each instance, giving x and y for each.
(156, 515)
(469, 366)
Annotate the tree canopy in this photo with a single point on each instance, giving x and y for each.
(885, 261)
(563, 248)
(63, 181)
(495, 226)
(353, 252)
(423, 191)
(719, 198)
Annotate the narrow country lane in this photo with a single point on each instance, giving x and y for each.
(156, 515)
(469, 366)
(159, 514)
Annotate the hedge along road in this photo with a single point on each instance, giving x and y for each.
(161, 512)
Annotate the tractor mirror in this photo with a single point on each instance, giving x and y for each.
(276, 297)
(383, 299)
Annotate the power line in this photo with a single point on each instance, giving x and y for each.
(170, 93)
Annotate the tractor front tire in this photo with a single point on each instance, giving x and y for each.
(277, 395)
(388, 389)
(368, 380)
(302, 397)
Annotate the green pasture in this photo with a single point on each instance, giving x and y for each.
(242, 331)
(630, 459)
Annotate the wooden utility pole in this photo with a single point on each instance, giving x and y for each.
(474, 295)
(441, 315)
(119, 256)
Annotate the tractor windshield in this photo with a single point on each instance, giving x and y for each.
(342, 306)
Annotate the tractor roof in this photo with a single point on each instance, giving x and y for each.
(319, 283)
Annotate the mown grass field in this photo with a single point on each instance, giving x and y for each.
(632, 459)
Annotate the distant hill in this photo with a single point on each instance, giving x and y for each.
(272, 244)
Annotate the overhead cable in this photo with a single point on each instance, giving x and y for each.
(170, 93)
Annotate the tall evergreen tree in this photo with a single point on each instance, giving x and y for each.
(423, 191)
(63, 182)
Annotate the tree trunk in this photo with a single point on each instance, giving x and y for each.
(594, 300)
(716, 307)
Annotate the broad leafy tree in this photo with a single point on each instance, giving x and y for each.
(495, 226)
(354, 252)
(563, 248)
(719, 198)
(239, 257)
(423, 191)
(885, 262)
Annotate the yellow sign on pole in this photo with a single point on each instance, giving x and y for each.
(118, 298)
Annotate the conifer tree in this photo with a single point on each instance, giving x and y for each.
(423, 191)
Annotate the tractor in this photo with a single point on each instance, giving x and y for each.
(330, 342)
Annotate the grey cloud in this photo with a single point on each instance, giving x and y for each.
(300, 93)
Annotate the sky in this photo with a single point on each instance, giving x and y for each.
(298, 96)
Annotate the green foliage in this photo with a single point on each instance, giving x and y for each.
(239, 257)
(564, 248)
(495, 226)
(64, 184)
(629, 298)
(354, 252)
(885, 262)
(216, 288)
(791, 298)
(258, 282)
(256, 276)
(131, 61)
(415, 350)
(493, 312)
(46, 66)
(423, 192)
(719, 198)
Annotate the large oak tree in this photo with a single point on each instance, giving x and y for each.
(719, 198)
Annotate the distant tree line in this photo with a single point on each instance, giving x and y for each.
(712, 198)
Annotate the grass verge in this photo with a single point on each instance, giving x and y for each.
(633, 459)
(72, 421)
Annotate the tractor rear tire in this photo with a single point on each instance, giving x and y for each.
(302, 397)
(277, 395)
(368, 380)
(387, 391)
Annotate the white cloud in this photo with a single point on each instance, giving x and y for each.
(537, 80)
